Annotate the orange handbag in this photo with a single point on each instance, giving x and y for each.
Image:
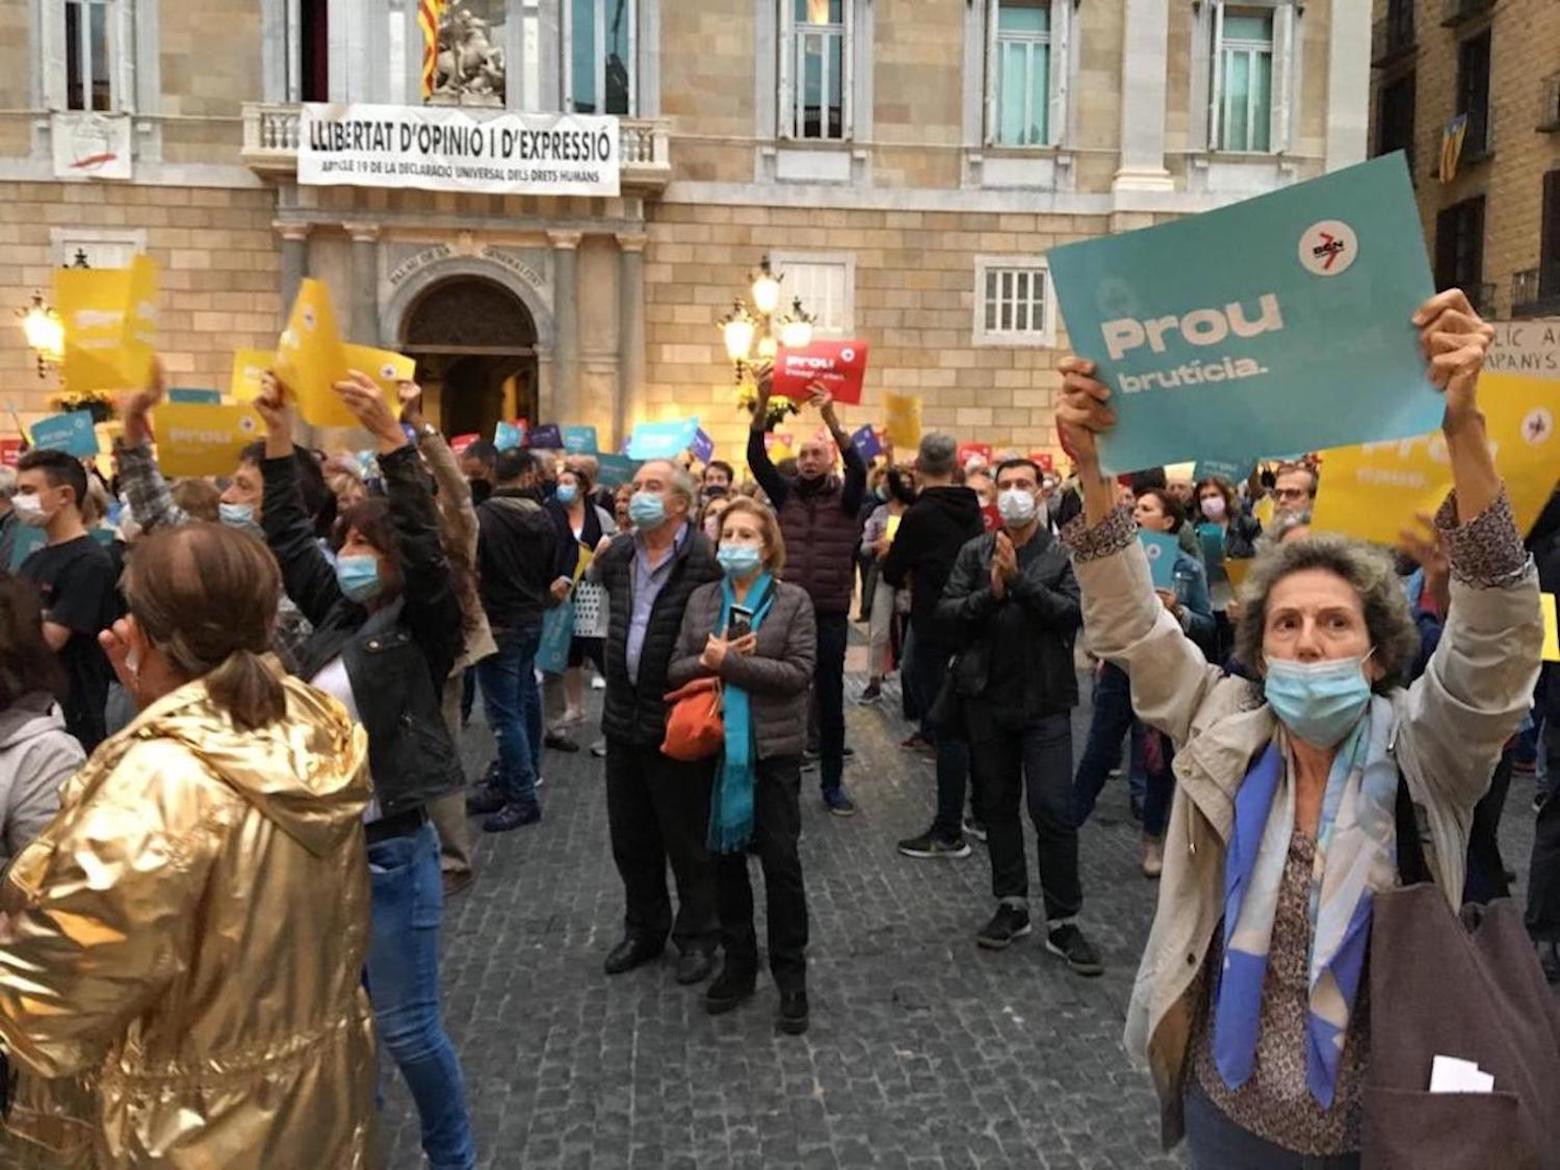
(695, 729)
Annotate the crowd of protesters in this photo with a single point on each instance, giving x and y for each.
(221, 701)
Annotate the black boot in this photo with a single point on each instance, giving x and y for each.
(793, 1012)
(732, 988)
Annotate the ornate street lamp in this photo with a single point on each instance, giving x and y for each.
(45, 333)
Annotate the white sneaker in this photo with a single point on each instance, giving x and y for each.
(1153, 863)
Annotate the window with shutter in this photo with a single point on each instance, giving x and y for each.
(815, 68)
(1459, 248)
(1473, 93)
(1242, 101)
(1549, 251)
(1395, 119)
(601, 56)
(825, 284)
(91, 55)
(1020, 73)
(1013, 303)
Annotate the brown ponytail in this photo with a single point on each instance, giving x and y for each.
(206, 596)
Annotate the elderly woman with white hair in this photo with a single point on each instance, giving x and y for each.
(1249, 1007)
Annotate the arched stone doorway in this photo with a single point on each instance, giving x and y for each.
(475, 345)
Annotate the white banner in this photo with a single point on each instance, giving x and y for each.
(449, 148)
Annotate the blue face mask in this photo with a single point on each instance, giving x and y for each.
(237, 515)
(566, 493)
(738, 560)
(1318, 701)
(359, 577)
(646, 509)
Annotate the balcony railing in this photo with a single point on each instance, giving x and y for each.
(1455, 12)
(1529, 297)
(1549, 112)
(1392, 36)
(271, 144)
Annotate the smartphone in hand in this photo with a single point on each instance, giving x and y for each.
(741, 623)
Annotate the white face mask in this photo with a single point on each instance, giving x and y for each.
(1016, 506)
(29, 510)
(1213, 507)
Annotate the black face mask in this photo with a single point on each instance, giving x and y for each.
(481, 489)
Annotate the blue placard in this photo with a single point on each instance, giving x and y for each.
(579, 440)
(547, 437)
(507, 436)
(703, 447)
(865, 441)
(615, 470)
(1211, 538)
(1161, 549)
(662, 440)
(1281, 322)
(201, 397)
(1236, 471)
(71, 432)
(26, 542)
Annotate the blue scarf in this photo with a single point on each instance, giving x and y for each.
(1356, 857)
(731, 802)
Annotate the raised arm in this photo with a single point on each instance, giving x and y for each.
(763, 468)
(150, 501)
(454, 500)
(1123, 620)
(306, 574)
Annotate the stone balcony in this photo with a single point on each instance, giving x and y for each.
(271, 145)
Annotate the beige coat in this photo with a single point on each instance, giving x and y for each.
(458, 517)
(1451, 725)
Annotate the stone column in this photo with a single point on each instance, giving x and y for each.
(631, 334)
(363, 328)
(1144, 61)
(295, 261)
(566, 324)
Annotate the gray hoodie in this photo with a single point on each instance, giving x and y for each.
(37, 756)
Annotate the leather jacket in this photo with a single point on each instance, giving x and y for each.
(182, 985)
(398, 657)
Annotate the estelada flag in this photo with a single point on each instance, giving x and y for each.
(1452, 136)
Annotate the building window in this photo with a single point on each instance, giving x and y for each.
(1549, 250)
(602, 46)
(1242, 105)
(1020, 72)
(1459, 249)
(97, 248)
(91, 49)
(826, 285)
(1395, 118)
(1013, 302)
(815, 69)
(1473, 93)
(311, 72)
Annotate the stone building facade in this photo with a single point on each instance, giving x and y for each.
(1494, 228)
(907, 164)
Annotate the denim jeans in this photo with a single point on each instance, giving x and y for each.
(1030, 763)
(1112, 720)
(925, 668)
(1217, 1143)
(514, 709)
(403, 984)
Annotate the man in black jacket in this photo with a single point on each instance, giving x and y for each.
(1014, 596)
(517, 556)
(658, 809)
(941, 521)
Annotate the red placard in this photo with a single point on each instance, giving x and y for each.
(1044, 460)
(991, 518)
(10, 452)
(841, 366)
(979, 453)
(460, 442)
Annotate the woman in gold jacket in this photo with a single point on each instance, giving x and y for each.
(181, 951)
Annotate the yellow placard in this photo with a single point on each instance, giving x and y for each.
(1236, 568)
(1263, 511)
(902, 423)
(198, 438)
(110, 323)
(249, 366)
(891, 529)
(1551, 631)
(582, 563)
(386, 367)
(1373, 491)
(310, 358)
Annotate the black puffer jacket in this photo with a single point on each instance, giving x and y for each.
(398, 657)
(636, 711)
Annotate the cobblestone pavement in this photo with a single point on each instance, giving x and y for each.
(924, 1050)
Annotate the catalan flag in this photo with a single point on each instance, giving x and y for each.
(1452, 135)
(429, 13)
